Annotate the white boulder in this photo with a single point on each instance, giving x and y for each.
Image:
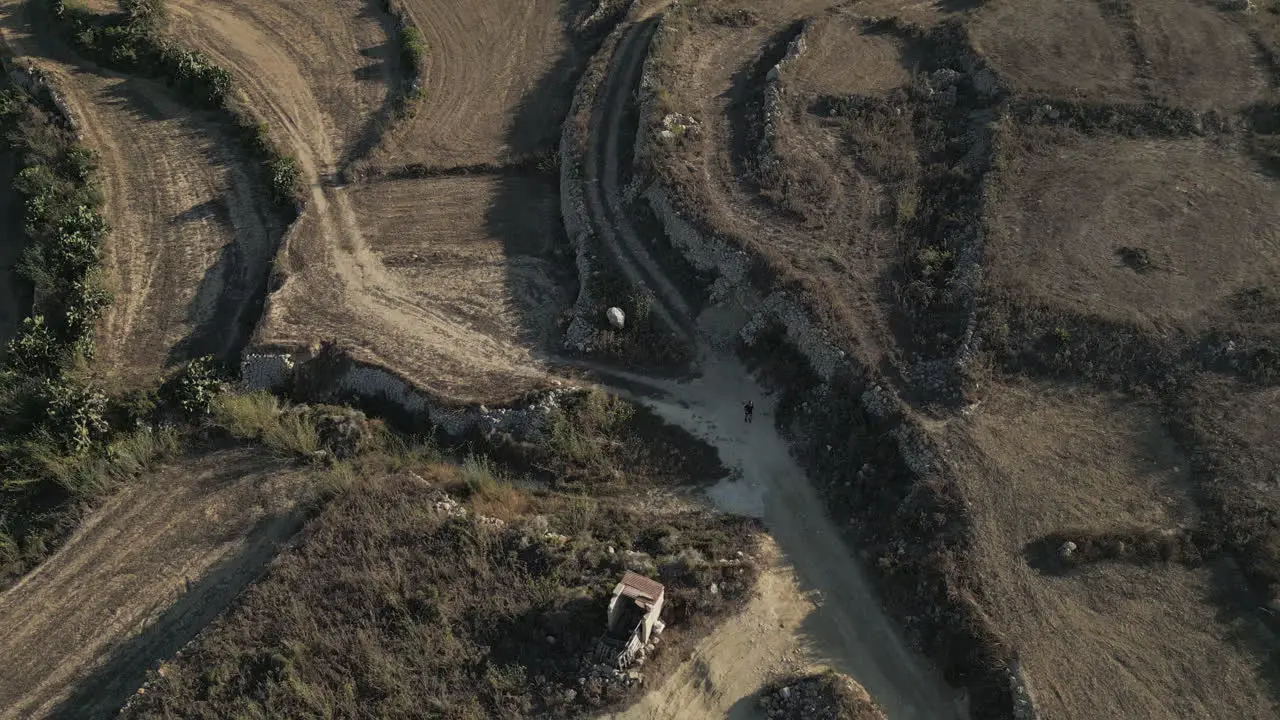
(616, 317)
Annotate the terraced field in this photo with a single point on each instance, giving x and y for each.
(192, 239)
(996, 277)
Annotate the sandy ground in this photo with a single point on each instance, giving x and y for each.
(188, 245)
(724, 673)
(143, 575)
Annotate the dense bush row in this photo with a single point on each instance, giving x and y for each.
(64, 232)
(413, 53)
(131, 42)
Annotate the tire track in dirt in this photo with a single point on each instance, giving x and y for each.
(139, 579)
(602, 183)
(189, 238)
(336, 286)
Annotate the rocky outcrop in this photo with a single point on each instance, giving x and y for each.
(33, 80)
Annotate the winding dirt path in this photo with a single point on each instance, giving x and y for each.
(846, 627)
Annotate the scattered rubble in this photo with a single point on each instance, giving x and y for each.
(675, 125)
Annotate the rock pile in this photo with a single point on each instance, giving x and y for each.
(826, 696)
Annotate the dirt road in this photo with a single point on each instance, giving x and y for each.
(149, 569)
(846, 628)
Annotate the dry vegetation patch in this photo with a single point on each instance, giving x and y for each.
(843, 57)
(1109, 638)
(1159, 234)
(1067, 49)
(1197, 55)
(392, 606)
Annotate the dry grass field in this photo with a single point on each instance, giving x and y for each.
(1180, 52)
(378, 267)
(498, 81)
(1111, 640)
(319, 75)
(1074, 217)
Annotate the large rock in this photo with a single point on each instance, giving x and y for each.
(616, 317)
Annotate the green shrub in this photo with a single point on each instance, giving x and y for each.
(285, 179)
(75, 414)
(146, 13)
(193, 389)
(34, 350)
(293, 433)
(478, 475)
(245, 416)
(413, 47)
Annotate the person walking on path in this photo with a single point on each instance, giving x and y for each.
(748, 408)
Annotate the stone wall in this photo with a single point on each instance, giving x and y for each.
(771, 112)
(333, 376)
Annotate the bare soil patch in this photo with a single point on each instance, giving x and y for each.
(480, 249)
(1111, 638)
(139, 579)
(1157, 234)
(485, 61)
